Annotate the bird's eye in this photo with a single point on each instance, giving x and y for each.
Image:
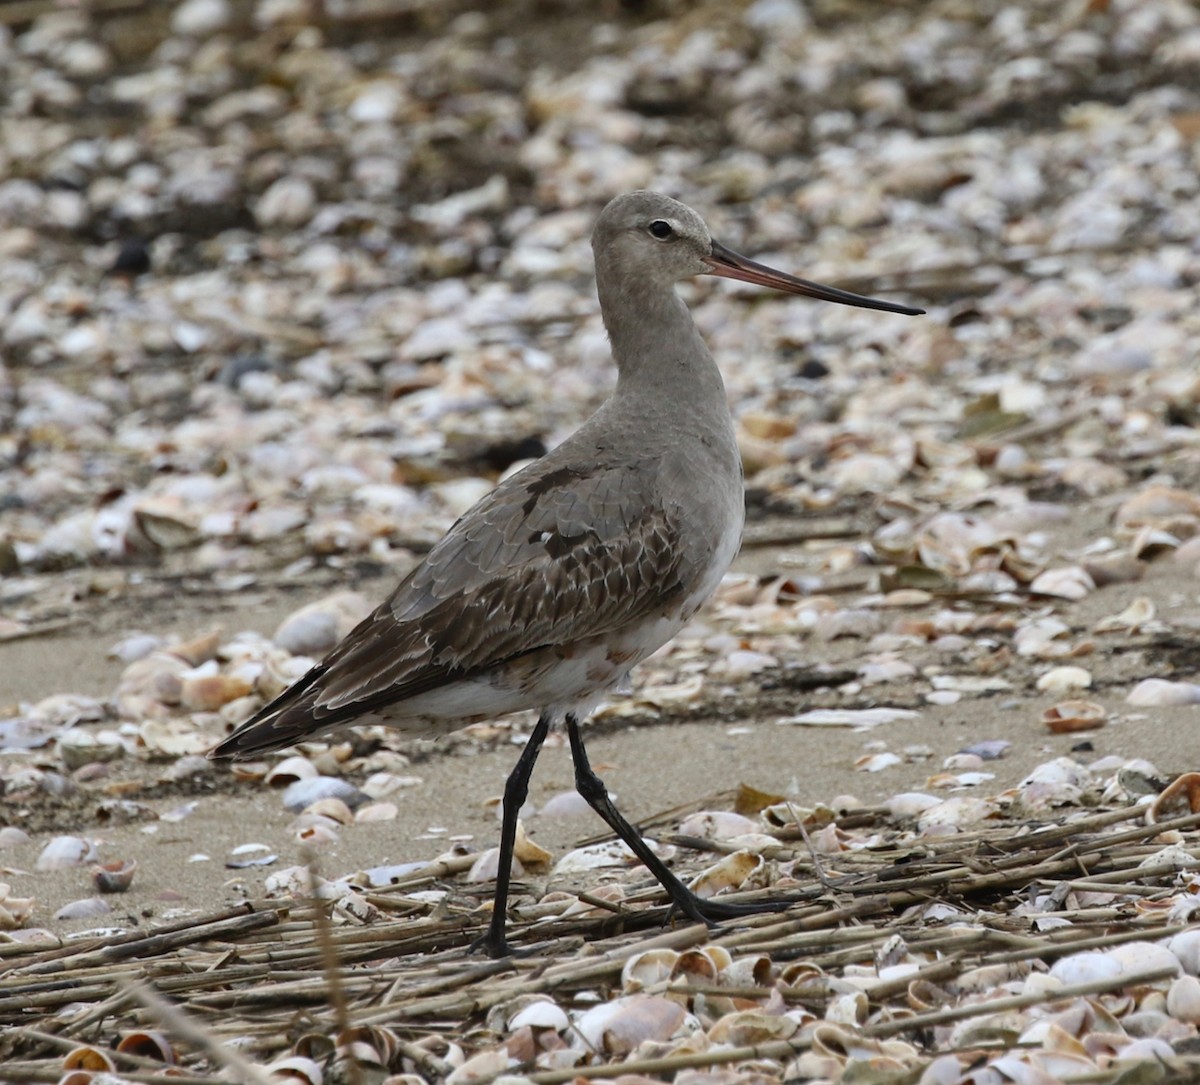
(661, 230)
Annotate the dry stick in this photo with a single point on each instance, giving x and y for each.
(329, 963)
(175, 1021)
(23, 1072)
(157, 942)
(62, 1043)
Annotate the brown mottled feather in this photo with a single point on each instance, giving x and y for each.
(556, 554)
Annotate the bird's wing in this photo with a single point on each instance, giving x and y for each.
(550, 557)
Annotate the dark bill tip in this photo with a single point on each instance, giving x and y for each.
(728, 264)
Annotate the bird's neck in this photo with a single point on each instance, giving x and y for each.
(658, 349)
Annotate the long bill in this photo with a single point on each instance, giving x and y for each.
(728, 264)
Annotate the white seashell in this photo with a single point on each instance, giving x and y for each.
(296, 1068)
(716, 825)
(540, 1014)
(377, 811)
(1135, 957)
(14, 911)
(861, 718)
(1061, 680)
(487, 866)
(305, 792)
(877, 762)
(174, 737)
(1158, 692)
(201, 18)
(63, 852)
(1087, 967)
(1043, 638)
(486, 1066)
(1150, 1050)
(381, 784)
(606, 854)
(333, 809)
(1139, 613)
(317, 833)
(88, 908)
(12, 837)
(1186, 947)
(288, 202)
(647, 968)
(1183, 999)
(291, 769)
(1069, 582)
(909, 804)
(955, 813)
(567, 804)
(847, 1009)
(134, 647)
(314, 629)
(617, 1027)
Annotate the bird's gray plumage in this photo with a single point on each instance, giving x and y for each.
(630, 521)
(574, 570)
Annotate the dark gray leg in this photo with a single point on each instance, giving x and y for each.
(516, 789)
(592, 788)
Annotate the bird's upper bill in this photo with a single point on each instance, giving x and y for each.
(730, 265)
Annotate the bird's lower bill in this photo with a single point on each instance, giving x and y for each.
(730, 265)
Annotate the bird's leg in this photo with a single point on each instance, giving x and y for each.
(516, 789)
(592, 788)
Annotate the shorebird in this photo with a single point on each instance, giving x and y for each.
(575, 569)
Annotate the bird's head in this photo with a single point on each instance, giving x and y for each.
(645, 237)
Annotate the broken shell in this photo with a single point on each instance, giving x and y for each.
(14, 911)
(1068, 716)
(1139, 613)
(114, 877)
(296, 1068)
(290, 770)
(526, 851)
(647, 968)
(89, 1058)
(199, 649)
(746, 1027)
(63, 852)
(147, 1045)
(487, 866)
(1185, 788)
(331, 808)
(208, 692)
(732, 872)
(485, 1066)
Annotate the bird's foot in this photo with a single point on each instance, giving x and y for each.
(493, 943)
(712, 912)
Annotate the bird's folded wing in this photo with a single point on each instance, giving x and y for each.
(543, 565)
(549, 558)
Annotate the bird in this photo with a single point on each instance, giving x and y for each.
(547, 592)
